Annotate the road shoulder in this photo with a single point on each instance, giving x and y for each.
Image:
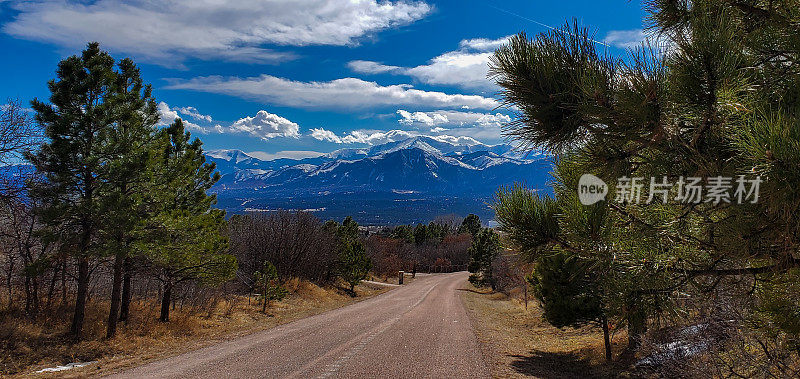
(131, 351)
(517, 343)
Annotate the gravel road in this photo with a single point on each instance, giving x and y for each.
(415, 331)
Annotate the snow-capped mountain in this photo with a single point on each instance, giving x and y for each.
(419, 167)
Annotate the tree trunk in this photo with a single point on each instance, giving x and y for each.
(637, 326)
(31, 296)
(165, 301)
(64, 281)
(116, 288)
(606, 338)
(264, 307)
(125, 307)
(28, 296)
(51, 292)
(9, 283)
(80, 299)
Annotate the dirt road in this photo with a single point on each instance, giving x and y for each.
(417, 330)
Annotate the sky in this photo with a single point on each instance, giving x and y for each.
(297, 78)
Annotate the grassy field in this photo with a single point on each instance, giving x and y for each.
(519, 343)
(28, 347)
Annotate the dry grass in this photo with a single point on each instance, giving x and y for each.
(28, 346)
(519, 343)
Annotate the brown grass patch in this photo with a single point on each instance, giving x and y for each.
(28, 346)
(519, 343)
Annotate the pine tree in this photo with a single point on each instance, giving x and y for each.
(717, 97)
(266, 280)
(569, 292)
(484, 250)
(354, 264)
(77, 121)
(126, 157)
(471, 224)
(187, 239)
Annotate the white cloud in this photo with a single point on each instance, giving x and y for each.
(325, 135)
(437, 119)
(266, 125)
(362, 136)
(263, 125)
(631, 39)
(370, 67)
(375, 137)
(457, 140)
(291, 154)
(169, 115)
(483, 44)
(625, 39)
(193, 113)
(170, 30)
(466, 67)
(339, 94)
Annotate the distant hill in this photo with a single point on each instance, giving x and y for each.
(412, 180)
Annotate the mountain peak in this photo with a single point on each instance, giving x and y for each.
(229, 155)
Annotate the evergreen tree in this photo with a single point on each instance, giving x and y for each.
(81, 115)
(404, 232)
(484, 250)
(569, 292)
(354, 264)
(719, 98)
(421, 234)
(187, 236)
(471, 224)
(126, 156)
(266, 280)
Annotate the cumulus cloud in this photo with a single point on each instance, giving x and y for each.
(168, 116)
(263, 125)
(437, 119)
(266, 126)
(362, 136)
(193, 113)
(466, 67)
(483, 44)
(339, 94)
(377, 137)
(169, 30)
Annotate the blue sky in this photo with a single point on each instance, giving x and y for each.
(283, 78)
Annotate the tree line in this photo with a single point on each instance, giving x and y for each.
(439, 246)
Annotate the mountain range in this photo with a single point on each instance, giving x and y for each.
(411, 180)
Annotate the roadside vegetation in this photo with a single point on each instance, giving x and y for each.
(439, 246)
(519, 342)
(703, 287)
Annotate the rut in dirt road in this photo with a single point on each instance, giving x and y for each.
(418, 330)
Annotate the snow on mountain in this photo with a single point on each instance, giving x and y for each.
(347, 153)
(230, 155)
(422, 164)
